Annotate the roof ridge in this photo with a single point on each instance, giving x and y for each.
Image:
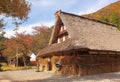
(60, 11)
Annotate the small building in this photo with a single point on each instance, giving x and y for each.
(17, 60)
(32, 59)
(3, 60)
(81, 46)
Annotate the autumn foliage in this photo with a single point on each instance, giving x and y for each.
(41, 37)
(15, 8)
(110, 14)
(25, 43)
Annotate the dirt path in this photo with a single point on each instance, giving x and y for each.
(32, 76)
(23, 75)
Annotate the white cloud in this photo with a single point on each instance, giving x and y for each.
(49, 24)
(27, 29)
(11, 32)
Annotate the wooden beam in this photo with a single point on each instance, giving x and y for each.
(93, 52)
(103, 52)
(118, 53)
(110, 52)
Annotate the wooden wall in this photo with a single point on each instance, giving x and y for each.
(83, 64)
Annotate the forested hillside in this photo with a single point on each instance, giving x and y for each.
(110, 14)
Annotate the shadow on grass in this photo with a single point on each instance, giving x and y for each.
(113, 77)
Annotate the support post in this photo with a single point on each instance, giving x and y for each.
(38, 64)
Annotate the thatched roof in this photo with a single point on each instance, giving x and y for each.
(67, 45)
(85, 33)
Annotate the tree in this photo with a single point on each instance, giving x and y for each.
(41, 36)
(17, 9)
(10, 49)
(20, 41)
(114, 18)
(2, 38)
(104, 19)
(2, 24)
(26, 43)
(23, 42)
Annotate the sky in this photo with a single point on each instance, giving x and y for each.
(42, 12)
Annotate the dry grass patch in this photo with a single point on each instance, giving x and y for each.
(12, 68)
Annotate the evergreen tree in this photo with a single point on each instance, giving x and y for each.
(114, 18)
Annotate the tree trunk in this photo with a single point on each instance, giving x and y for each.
(24, 60)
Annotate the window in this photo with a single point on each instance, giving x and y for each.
(62, 28)
(63, 38)
(58, 41)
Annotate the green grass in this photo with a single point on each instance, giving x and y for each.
(10, 68)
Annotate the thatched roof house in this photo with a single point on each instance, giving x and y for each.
(84, 33)
(81, 34)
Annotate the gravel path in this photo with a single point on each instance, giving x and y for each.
(32, 76)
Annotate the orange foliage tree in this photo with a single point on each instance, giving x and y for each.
(22, 42)
(41, 37)
(10, 47)
(26, 43)
(15, 8)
